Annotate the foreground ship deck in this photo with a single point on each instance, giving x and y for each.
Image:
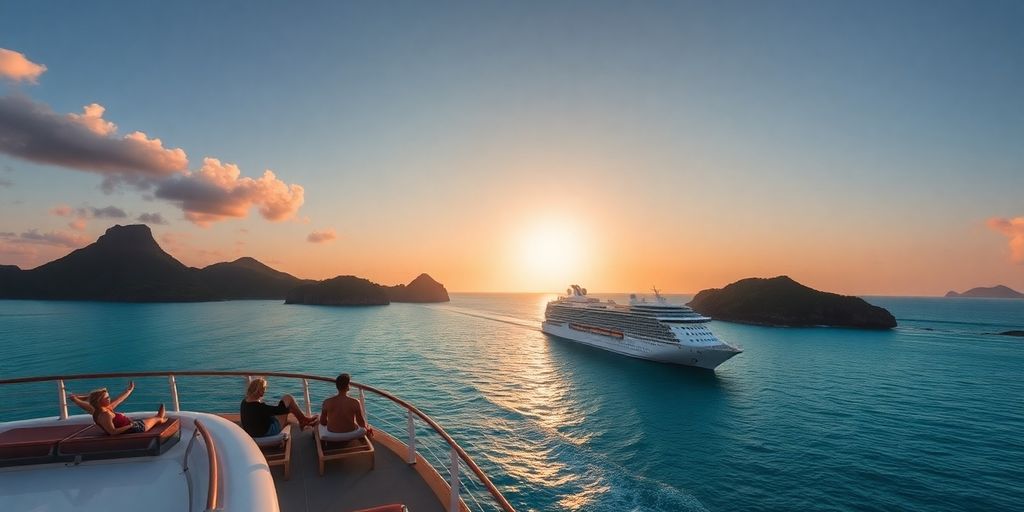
(211, 464)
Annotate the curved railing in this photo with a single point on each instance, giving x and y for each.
(457, 452)
(211, 452)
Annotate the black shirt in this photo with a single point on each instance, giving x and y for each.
(256, 416)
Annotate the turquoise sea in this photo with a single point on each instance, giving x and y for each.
(929, 416)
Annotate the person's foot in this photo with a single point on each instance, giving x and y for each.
(309, 422)
(161, 412)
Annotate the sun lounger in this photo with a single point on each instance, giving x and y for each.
(277, 449)
(94, 443)
(34, 445)
(328, 450)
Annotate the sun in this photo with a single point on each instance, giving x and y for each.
(551, 253)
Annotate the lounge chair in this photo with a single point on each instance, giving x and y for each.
(34, 445)
(95, 443)
(277, 449)
(328, 449)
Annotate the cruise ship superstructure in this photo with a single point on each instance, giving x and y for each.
(656, 330)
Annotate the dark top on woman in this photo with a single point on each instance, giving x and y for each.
(256, 416)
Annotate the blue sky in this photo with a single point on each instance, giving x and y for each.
(819, 139)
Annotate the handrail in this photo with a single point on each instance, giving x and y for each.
(212, 496)
(505, 505)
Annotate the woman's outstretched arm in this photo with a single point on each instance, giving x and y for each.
(123, 396)
(81, 403)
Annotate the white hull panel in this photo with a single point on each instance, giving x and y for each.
(707, 357)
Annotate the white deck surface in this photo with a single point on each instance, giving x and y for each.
(148, 483)
(152, 484)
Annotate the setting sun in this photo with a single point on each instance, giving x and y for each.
(552, 251)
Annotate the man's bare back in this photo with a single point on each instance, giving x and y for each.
(341, 414)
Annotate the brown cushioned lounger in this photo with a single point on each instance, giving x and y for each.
(95, 443)
(34, 445)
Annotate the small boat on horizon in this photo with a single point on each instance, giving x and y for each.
(657, 331)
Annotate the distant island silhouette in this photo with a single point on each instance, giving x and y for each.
(127, 265)
(993, 292)
(781, 301)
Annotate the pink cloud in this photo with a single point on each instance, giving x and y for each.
(62, 210)
(319, 237)
(217, 192)
(1014, 230)
(60, 238)
(16, 67)
(78, 224)
(92, 119)
(33, 131)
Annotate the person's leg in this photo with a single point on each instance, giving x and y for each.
(293, 407)
(158, 418)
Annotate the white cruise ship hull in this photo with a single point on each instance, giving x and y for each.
(708, 357)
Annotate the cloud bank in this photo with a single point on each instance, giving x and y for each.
(16, 67)
(319, 237)
(217, 191)
(59, 238)
(1014, 230)
(80, 216)
(86, 142)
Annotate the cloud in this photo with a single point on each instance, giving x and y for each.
(81, 215)
(319, 237)
(151, 218)
(62, 210)
(88, 142)
(85, 142)
(63, 239)
(92, 119)
(216, 192)
(1014, 230)
(15, 67)
(17, 251)
(78, 224)
(109, 212)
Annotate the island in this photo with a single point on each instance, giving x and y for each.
(1019, 334)
(339, 291)
(781, 301)
(126, 264)
(992, 292)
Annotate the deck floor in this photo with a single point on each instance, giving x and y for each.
(350, 484)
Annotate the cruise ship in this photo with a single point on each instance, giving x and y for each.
(656, 330)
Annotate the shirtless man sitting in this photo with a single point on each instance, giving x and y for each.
(342, 415)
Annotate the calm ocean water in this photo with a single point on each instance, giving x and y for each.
(929, 416)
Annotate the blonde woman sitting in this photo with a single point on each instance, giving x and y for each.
(260, 419)
(101, 407)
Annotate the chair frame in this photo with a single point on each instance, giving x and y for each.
(273, 454)
(325, 454)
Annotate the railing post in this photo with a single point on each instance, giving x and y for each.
(362, 403)
(305, 393)
(411, 429)
(453, 506)
(63, 399)
(174, 393)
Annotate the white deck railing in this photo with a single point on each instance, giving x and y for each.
(451, 463)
